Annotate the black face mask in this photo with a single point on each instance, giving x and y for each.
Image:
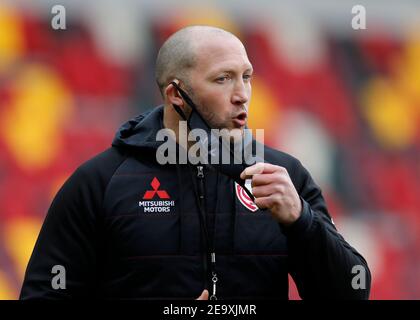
(244, 159)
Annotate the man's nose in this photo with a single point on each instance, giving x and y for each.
(240, 94)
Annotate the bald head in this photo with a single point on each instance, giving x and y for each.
(177, 56)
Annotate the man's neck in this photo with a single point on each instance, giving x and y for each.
(171, 121)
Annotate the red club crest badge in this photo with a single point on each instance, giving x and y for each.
(244, 198)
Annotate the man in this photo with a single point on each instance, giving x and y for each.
(125, 226)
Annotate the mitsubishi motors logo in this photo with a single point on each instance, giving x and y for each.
(156, 205)
(162, 194)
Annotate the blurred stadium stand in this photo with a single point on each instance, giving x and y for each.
(345, 102)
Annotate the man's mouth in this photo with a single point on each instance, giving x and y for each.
(240, 119)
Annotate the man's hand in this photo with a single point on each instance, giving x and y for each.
(204, 295)
(273, 189)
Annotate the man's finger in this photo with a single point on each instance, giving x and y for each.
(264, 202)
(264, 179)
(263, 191)
(204, 295)
(254, 169)
(258, 168)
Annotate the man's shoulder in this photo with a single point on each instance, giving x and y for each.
(102, 165)
(281, 158)
(89, 180)
(297, 172)
(95, 173)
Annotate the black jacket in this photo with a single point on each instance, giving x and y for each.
(124, 226)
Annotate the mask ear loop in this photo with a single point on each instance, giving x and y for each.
(187, 99)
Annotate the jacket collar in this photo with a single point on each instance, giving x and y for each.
(141, 131)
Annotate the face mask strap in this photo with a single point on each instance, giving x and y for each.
(186, 98)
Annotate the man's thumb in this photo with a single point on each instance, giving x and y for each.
(204, 295)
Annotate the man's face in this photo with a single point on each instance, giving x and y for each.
(221, 82)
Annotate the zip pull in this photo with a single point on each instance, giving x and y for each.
(213, 258)
(214, 276)
(214, 279)
(200, 172)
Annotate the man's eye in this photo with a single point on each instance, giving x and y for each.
(247, 77)
(222, 79)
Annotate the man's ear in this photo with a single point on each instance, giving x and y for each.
(172, 95)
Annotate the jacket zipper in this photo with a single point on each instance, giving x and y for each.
(201, 195)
